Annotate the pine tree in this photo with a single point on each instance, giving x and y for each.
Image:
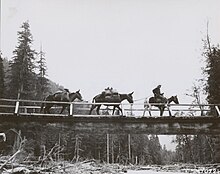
(2, 76)
(184, 148)
(212, 71)
(42, 81)
(22, 77)
(212, 74)
(155, 149)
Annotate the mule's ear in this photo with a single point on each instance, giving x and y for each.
(78, 91)
(131, 93)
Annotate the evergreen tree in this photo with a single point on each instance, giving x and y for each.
(155, 149)
(139, 149)
(42, 82)
(183, 148)
(212, 71)
(22, 77)
(168, 156)
(2, 76)
(202, 149)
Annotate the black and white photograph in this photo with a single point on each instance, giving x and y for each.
(109, 86)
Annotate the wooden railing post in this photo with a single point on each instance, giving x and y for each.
(217, 109)
(71, 109)
(107, 148)
(25, 109)
(16, 107)
(131, 107)
(123, 110)
(129, 147)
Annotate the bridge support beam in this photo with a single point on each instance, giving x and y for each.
(125, 125)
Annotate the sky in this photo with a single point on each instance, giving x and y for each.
(130, 45)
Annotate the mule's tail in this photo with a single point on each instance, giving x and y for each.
(93, 100)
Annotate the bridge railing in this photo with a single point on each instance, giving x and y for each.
(82, 108)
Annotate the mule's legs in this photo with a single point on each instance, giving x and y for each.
(149, 112)
(144, 112)
(47, 110)
(64, 107)
(97, 110)
(93, 107)
(118, 109)
(113, 111)
(42, 107)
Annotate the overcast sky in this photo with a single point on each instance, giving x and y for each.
(130, 45)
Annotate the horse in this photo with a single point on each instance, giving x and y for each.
(70, 97)
(162, 104)
(99, 99)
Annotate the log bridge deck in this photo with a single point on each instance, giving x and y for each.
(186, 119)
(165, 125)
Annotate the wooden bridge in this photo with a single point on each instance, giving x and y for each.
(185, 119)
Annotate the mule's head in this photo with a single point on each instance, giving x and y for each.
(78, 95)
(130, 97)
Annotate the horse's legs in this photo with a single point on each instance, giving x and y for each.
(170, 114)
(161, 111)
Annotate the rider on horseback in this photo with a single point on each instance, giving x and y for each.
(157, 93)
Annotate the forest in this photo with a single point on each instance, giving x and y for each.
(24, 76)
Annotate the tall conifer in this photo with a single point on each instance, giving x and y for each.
(42, 81)
(22, 78)
(2, 76)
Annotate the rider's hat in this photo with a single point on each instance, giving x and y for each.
(159, 86)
